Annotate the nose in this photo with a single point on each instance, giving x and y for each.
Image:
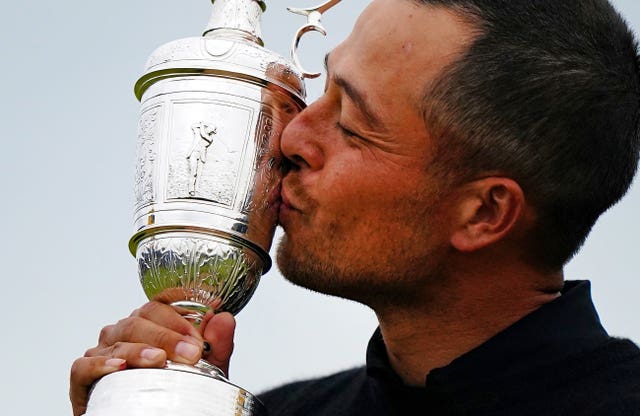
(302, 139)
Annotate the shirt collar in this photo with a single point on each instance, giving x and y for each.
(559, 328)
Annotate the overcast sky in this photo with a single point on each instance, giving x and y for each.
(69, 122)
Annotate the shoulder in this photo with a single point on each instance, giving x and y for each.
(314, 396)
(619, 359)
(609, 380)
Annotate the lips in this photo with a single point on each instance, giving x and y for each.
(286, 207)
(286, 202)
(274, 196)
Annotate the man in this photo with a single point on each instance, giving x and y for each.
(459, 157)
(203, 137)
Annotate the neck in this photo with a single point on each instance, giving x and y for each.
(422, 337)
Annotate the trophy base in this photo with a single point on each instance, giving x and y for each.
(175, 390)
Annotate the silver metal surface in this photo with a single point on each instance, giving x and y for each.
(197, 272)
(207, 195)
(208, 175)
(173, 391)
(313, 15)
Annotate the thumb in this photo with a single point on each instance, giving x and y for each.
(218, 332)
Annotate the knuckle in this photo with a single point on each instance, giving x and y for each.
(122, 350)
(163, 339)
(127, 327)
(105, 333)
(149, 309)
(82, 370)
(118, 350)
(76, 368)
(91, 352)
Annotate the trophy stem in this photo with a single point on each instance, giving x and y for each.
(194, 312)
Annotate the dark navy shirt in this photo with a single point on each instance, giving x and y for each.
(556, 361)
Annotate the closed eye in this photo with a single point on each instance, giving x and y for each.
(346, 131)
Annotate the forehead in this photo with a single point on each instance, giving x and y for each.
(401, 40)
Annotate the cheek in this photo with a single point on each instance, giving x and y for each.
(368, 197)
(345, 197)
(364, 211)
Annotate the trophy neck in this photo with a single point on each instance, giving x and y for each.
(238, 19)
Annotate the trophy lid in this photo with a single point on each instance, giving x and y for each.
(230, 47)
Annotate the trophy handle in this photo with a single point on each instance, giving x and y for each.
(313, 14)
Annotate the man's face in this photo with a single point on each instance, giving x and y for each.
(362, 215)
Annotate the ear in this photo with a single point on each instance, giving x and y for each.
(487, 211)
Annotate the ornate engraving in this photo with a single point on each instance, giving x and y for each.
(266, 174)
(146, 156)
(210, 273)
(207, 145)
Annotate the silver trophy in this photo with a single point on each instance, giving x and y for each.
(207, 193)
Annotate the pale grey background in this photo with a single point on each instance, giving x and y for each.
(68, 140)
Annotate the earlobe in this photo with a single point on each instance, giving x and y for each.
(488, 211)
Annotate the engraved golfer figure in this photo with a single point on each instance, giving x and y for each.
(202, 138)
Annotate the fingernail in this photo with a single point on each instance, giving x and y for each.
(150, 354)
(117, 363)
(187, 351)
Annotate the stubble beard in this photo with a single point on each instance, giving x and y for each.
(388, 285)
(302, 267)
(383, 277)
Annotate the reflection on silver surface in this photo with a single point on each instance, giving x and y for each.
(175, 390)
(197, 272)
(213, 109)
(207, 194)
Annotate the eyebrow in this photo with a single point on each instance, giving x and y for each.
(356, 96)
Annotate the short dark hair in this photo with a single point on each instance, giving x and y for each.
(548, 93)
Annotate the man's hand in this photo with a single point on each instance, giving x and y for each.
(148, 338)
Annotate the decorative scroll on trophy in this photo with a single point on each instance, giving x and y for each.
(207, 192)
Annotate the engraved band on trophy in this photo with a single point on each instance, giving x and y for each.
(207, 193)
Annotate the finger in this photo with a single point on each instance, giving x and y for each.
(84, 372)
(205, 320)
(167, 316)
(219, 333)
(137, 355)
(136, 330)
